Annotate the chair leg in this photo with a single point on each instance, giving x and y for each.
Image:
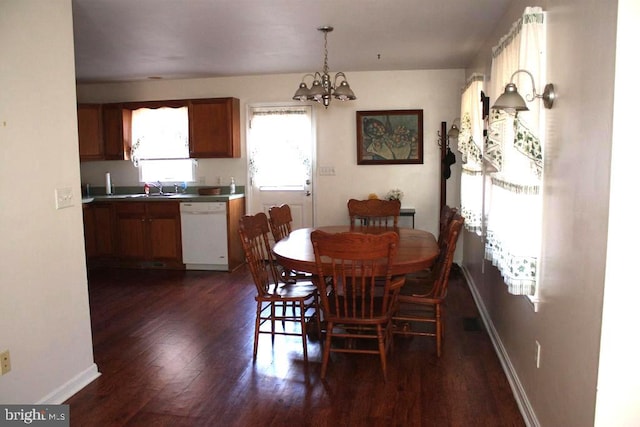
(273, 322)
(382, 349)
(438, 330)
(303, 327)
(326, 350)
(257, 330)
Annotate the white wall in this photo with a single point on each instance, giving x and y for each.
(618, 396)
(44, 310)
(562, 392)
(437, 92)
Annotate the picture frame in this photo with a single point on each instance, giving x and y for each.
(389, 137)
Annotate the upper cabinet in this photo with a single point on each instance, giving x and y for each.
(90, 138)
(104, 130)
(214, 128)
(116, 124)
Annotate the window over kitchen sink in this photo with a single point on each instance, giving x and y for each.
(160, 144)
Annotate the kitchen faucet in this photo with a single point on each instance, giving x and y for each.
(158, 185)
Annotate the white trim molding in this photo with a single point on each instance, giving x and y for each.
(519, 393)
(71, 387)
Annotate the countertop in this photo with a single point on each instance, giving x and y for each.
(169, 197)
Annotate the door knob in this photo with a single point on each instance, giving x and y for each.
(308, 193)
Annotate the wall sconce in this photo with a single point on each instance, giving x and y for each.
(454, 130)
(511, 99)
(444, 136)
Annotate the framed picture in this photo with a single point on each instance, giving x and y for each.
(389, 137)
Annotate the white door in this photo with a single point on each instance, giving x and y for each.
(280, 154)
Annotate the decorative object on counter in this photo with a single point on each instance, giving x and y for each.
(322, 88)
(232, 186)
(395, 194)
(389, 137)
(107, 183)
(209, 191)
(146, 188)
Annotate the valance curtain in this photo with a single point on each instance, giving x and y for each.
(470, 142)
(513, 151)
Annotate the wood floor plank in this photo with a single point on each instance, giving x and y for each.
(175, 348)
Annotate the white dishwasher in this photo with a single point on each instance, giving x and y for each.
(204, 235)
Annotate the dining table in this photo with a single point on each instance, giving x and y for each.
(417, 249)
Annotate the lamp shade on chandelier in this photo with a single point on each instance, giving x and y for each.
(322, 88)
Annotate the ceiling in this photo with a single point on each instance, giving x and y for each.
(125, 40)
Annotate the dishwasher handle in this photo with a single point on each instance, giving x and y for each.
(202, 212)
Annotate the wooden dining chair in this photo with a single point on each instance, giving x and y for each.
(273, 296)
(446, 215)
(280, 223)
(356, 305)
(422, 301)
(374, 212)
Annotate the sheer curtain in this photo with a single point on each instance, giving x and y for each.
(470, 146)
(280, 156)
(514, 152)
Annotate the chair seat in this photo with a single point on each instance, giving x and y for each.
(417, 287)
(294, 290)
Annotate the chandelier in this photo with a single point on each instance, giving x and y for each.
(322, 88)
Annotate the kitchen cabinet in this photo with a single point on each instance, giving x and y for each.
(148, 234)
(235, 211)
(90, 138)
(116, 125)
(98, 231)
(104, 132)
(214, 128)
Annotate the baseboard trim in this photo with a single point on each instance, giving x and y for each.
(71, 387)
(519, 393)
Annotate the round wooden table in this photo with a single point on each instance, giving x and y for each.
(417, 249)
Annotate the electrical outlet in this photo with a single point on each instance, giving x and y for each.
(538, 349)
(64, 198)
(5, 362)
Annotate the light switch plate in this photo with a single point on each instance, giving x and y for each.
(64, 197)
(327, 171)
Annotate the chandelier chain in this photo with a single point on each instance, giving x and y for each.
(326, 55)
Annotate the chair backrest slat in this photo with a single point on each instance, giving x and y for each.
(254, 235)
(446, 215)
(354, 273)
(445, 258)
(374, 212)
(280, 220)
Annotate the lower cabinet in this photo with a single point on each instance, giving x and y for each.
(140, 234)
(147, 234)
(98, 231)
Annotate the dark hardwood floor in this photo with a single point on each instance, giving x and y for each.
(175, 349)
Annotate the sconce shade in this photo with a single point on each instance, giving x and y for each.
(510, 100)
(453, 132)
